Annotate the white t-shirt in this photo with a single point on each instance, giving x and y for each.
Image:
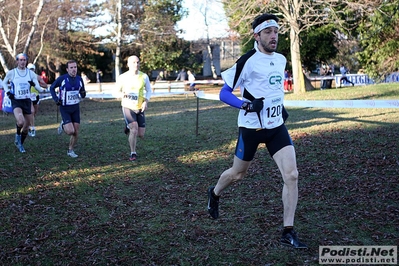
(191, 78)
(262, 76)
(343, 71)
(135, 89)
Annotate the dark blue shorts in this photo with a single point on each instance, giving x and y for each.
(70, 114)
(249, 139)
(24, 104)
(131, 116)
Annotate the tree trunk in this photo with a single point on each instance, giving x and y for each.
(210, 54)
(297, 72)
(54, 68)
(308, 83)
(34, 25)
(13, 48)
(118, 39)
(3, 63)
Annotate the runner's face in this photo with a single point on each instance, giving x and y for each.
(267, 40)
(134, 64)
(21, 61)
(72, 69)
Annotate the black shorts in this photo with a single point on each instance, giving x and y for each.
(70, 114)
(249, 139)
(24, 104)
(131, 116)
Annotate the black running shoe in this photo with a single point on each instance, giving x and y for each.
(213, 204)
(126, 130)
(133, 157)
(291, 239)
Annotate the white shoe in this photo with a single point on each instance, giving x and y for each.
(32, 132)
(72, 154)
(21, 148)
(60, 129)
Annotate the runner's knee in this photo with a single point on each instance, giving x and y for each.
(236, 176)
(291, 176)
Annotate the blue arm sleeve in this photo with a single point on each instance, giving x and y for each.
(226, 95)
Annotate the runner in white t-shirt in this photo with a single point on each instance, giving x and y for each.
(135, 88)
(259, 75)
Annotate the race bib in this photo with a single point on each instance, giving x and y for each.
(131, 100)
(22, 91)
(72, 97)
(272, 112)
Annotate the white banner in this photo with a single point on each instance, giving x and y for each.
(324, 103)
(117, 95)
(357, 79)
(306, 104)
(345, 103)
(394, 77)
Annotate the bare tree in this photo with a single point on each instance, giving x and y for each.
(204, 12)
(118, 38)
(298, 16)
(14, 38)
(123, 28)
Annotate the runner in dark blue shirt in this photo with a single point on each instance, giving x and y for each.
(71, 89)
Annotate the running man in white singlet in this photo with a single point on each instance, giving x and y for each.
(259, 74)
(21, 79)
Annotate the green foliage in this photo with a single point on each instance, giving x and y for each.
(378, 36)
(161, 48)
(132, 16)
(240, 23)
(82, 47)
(318, 45)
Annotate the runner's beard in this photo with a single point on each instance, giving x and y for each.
(267, 48)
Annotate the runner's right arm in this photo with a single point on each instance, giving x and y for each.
(226, 95)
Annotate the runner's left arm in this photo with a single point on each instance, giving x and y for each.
(147, 88)
(147, 95)
(82, 90)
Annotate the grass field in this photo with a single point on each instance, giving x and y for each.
(101, 209)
